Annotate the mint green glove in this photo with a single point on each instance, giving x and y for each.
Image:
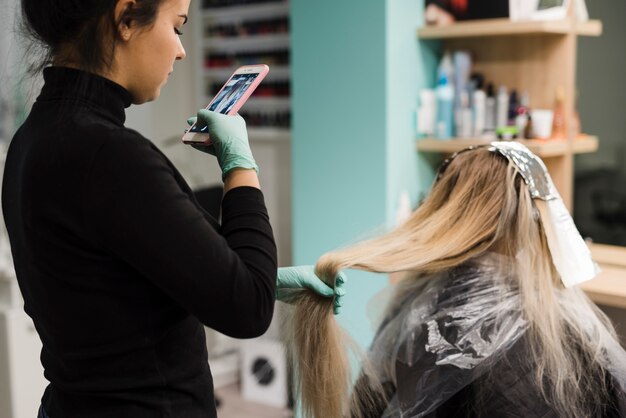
(304, 277)
(229, 140)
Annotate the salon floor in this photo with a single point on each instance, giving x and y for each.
(233, 406)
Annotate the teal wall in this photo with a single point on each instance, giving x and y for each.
(357, 68)
(410, 67)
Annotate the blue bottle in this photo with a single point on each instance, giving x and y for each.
(444, 92)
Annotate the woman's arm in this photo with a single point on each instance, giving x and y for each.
(135, 208)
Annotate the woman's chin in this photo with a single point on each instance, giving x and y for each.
(137, 100)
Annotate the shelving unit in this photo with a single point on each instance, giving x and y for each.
(537, 57)
(543, 148)
(243, 46)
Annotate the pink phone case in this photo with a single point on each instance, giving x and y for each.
(261, 70)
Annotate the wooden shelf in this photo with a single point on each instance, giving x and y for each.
(609, 288)
(542, 148)
(506, 27)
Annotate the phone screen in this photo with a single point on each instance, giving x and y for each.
(229, 99)
(231, 92)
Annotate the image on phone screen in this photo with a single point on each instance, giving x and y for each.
(231, 92)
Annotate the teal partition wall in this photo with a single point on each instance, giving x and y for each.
(410, 67)
(357, 68)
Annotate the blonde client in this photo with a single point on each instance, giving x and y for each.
(487, 320)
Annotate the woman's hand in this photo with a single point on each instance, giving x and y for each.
(290, 278)
(229, 140)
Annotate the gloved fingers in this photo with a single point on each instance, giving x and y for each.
(192, 120)
(210, 119)
(341, 279)
(338, 301)
(319, 287)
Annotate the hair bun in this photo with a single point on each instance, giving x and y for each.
(56, 21)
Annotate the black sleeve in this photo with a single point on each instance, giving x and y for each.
(136, 210)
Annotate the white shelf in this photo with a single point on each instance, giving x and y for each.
(244, 13)
(248, 43)
(268, 103)
(269, 134)
(276, 73)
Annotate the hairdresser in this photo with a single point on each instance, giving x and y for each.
(118, 265)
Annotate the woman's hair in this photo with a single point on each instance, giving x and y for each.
(81, 32)
(479, 204)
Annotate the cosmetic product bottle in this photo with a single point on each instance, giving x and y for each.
(522, 118)
(490, 110)
(513, 105)
(576, 128)
(462, 67)
(445, 108)
(479, 102)
(502, 117)
(444, 93)
(559, 128)
(426, 113)
(464, 116)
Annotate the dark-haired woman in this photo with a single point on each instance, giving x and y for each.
(118, 265)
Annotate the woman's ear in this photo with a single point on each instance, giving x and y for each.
(122, 18)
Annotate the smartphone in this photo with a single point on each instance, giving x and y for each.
(230, 98)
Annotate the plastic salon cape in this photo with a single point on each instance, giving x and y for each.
(453, 346)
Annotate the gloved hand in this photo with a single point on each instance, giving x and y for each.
(229, 140)
(304, 277)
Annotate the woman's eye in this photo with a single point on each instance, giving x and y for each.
(177, 31)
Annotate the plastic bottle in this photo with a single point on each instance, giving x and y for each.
(445, 100)
(490, 110)
(522, 118)
(559, 128)
(426, 113)
(479, 102)
(464, 116)
(502, 118)
(513, 106)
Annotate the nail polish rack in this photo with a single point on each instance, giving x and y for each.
(243, 32)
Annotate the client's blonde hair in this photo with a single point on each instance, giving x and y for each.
(479, 204)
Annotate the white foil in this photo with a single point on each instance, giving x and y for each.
(570, 254)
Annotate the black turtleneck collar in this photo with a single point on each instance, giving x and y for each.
(62, 83)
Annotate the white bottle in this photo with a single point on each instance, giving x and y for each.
(464, 116)
(479, 104)
(490, 111)
(502, 118)
(426, 113)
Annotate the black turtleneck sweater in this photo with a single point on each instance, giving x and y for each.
(119, 266)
